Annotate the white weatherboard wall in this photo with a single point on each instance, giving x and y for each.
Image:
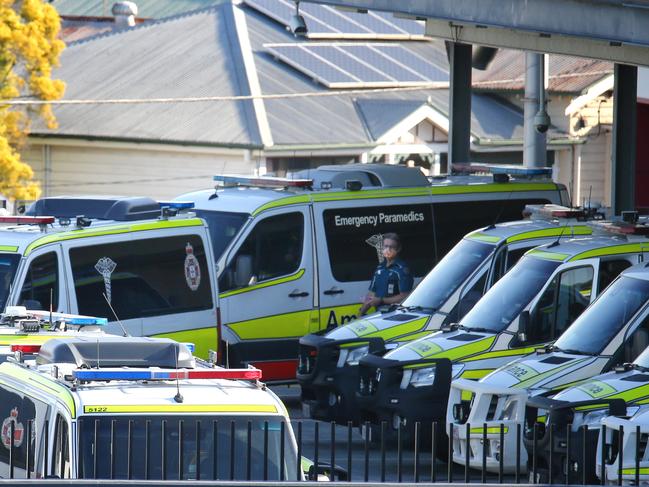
(115, 168)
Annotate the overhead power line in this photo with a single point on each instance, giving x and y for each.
(198, 99)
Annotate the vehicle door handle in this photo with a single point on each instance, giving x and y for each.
(298, 294)
(332, 291)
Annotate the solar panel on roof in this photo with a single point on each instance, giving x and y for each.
(328, 22)
(346, 65)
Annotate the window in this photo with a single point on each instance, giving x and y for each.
(567, 296)
(611, 311)
(61, 462)
(41, 284)
(223, 226)
(354, 239)
(28, 417)
(272, 249)
(140, 278)
(194, 447)
(468, 300)
(509, 296)
(455, 219)
(8, 266)
(609, 270)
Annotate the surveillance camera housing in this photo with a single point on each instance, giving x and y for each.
(298, 26)
(542, 122)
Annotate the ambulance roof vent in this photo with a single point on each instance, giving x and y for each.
(88, 352)
(103, 208)
(369, 175)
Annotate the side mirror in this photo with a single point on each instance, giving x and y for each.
(523, 325)
(243, 270)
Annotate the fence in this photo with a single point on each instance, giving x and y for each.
(251, 450)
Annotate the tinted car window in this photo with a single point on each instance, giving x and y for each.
(272, 249)
(223, 226)
(455, 219)
(354, 238)
(41, 283)
(8, 266)
(140, 278)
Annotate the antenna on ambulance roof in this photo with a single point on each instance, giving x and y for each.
(125, 333)
(178, 397)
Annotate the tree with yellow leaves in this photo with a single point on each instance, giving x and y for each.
(29, 48)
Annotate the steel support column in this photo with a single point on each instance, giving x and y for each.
(459, 136)
(624, 137)
(534, 150)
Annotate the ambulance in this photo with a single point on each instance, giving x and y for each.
(529, 307)
(295, 256)
(611, 331)
(328, 363)
(146, 266)
(139, 408)
(625, 445)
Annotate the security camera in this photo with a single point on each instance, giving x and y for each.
(298, 26)
(541, 122)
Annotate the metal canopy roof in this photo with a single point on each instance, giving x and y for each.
(614, 30)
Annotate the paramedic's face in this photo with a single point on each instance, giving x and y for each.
(390, 249)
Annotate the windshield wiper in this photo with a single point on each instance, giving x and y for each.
(425, 309)
(572, 351)
(475, 328)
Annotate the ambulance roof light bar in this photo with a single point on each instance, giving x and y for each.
(501, 173)
(544, 212)
(165, 374)
(28, 220)
(623, 228)
(263, 182)
(69, 319)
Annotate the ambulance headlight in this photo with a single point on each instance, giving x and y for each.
(426, 375)
(355, 354)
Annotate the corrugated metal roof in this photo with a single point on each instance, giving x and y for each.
(191, 55)
(152, 9)
(198, 54)
(566, 74)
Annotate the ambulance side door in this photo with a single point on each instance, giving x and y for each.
(349, 244)
(267, 291)
(41, 280)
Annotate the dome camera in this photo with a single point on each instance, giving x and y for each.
(541, 122)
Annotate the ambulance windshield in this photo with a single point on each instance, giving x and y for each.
(451, 272)
(195, 448)
(8, 265)
(223, 226)
(509, 296)
(597, 326)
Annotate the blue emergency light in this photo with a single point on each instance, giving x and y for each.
(177, 205)
(520, 171)
(89, 321)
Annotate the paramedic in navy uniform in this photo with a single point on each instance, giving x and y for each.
(392, 280)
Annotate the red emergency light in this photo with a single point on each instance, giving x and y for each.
(28, 220)
(25, 348)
